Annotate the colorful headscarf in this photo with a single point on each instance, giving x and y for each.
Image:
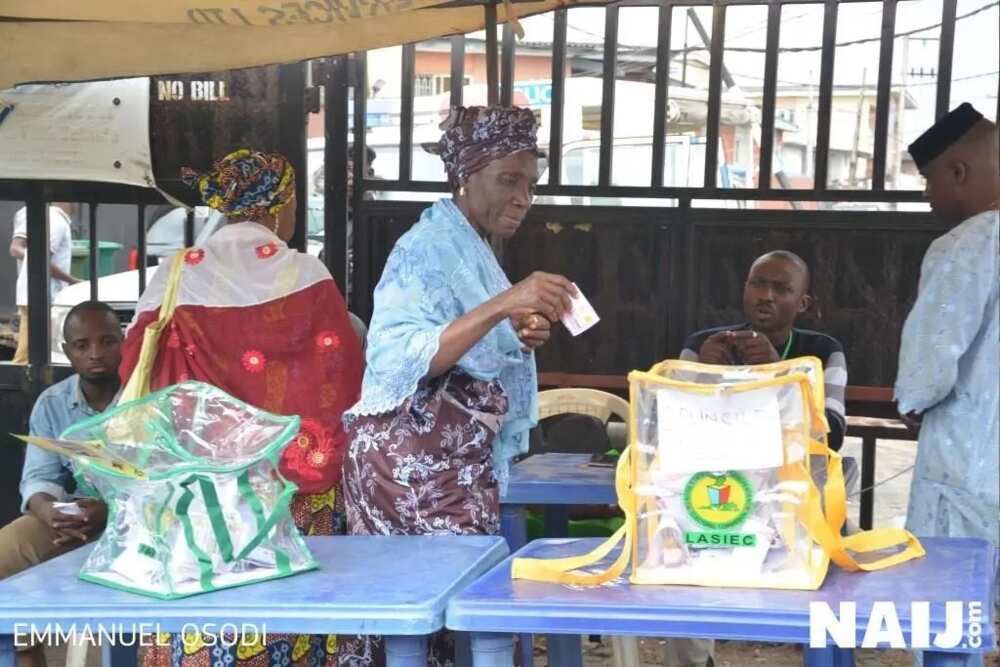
(475, 136)
(245, 183)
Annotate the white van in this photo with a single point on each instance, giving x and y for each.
(632, 159)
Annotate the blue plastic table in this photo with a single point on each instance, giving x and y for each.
(954, 569)
(398, 587)
(556, 481)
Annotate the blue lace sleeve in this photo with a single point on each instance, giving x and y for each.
(413, 306)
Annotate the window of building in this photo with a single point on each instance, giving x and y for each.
(423, 85)
(442, 83)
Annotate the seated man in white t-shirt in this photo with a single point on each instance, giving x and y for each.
(61, 252)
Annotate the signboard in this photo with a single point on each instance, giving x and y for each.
(724, 431)
(538, 93)
(197, 118)
(379, 120)
(79, 132)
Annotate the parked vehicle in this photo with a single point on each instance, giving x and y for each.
(166, 235)
(683, 166)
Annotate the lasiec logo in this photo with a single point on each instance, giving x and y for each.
(963, 628)
(719, 502)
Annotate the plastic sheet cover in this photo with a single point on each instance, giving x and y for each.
(195, 499)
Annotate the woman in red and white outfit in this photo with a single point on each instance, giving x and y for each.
(266, 324)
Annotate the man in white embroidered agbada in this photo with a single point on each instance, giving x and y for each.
(949, 356)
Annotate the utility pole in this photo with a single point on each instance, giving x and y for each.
(811, 134)
(684, 61)
(852, 176)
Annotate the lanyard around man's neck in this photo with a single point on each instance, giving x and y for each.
(788, 344)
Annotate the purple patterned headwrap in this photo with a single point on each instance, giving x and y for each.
(475, 136)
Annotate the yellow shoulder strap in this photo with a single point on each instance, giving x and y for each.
(562, 570)
(825, 520)
(138, 384)
(824, 528)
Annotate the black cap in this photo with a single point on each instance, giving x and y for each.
(949, 129)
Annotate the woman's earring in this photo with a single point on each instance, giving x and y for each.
(277, 223)
(461, 191)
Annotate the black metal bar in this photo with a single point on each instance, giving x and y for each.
(608, 95)
(406, 114)
(492, 55)
(680, 233)
(884, 95)
(559, 23)
(15, 190)
(106, 193)
(360, 125)
(292, 141)
(189, 229)
(38, 282)
(646, 192)
(363, 285)
(668, 274)
(770, 92)
(751, 220)
(95, 248)
(824, 110)
(867, 482)
(690, 312)
(507, 66)
(140, 241)
(335, 150)
(714, 95)
(360, 173)
(661, 94)
(945, 56)
(457, 69)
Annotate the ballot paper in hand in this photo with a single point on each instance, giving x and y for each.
(581, 315)
(70, 509)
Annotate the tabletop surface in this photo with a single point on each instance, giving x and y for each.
(954, 569)
(365, 585)
(560, 479)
